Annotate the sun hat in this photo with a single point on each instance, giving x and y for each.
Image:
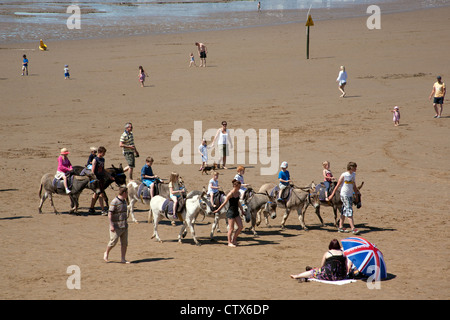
(64, 151)
(93, 148)
(284, 164)
(395, 107)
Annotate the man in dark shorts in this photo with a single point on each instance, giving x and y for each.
(202, 51)
(439, 95)
(128, 147)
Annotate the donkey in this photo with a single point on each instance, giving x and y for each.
(260, 202)
(299, 200)
(113, 174)
(209, 211)
(336, 202)
(78, 185)
(189, 211)
(161, 189)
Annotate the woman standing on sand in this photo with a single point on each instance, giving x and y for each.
(224, 137)
(342, 80)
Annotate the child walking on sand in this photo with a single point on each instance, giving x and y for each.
(203, 150)
(396, 117)
(24, 65)
(142, 76)
(192, 60)
(66, 72)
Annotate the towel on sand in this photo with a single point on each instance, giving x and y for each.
(338, 282)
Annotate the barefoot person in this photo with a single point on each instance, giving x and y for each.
(348, 182)
(202, 51)
(342, 80)
(438, 92)
(233, 213)
(118, 225)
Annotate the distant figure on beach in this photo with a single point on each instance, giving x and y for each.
(342, 80)
(202, 51)
(142, 76)
(118, 225)
(24, 65)
(259, 6)
(192, 60)
(396, 117)
(439, 94)
(66, 72)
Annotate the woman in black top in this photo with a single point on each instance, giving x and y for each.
(335, 265)
(233, 213)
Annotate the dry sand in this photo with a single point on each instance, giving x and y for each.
(256, 78)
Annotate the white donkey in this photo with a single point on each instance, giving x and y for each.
(190, 211)
(209, 211)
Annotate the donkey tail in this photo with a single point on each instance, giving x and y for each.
(40, 190)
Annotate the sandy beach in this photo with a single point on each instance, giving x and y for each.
(256, 78)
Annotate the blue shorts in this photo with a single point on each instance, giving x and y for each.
(148, 182)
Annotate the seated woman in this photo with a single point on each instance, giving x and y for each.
(335, 266)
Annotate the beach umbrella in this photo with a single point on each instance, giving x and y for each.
(365, 256)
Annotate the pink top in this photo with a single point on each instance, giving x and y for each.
(64, 165)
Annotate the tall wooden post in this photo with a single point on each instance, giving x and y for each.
(308, 24)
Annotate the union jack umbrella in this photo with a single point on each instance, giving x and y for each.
(365, 257)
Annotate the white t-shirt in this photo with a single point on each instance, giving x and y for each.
(342, 77)
(223, 137)
(347, 186)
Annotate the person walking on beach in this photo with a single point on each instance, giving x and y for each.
(24, 65)
(224, 138)
(203, 151)
(233, 213)
(439, 94)
(118, 225)
(142, 76)
(396, 116)
(202, 51)
(66, 72)
(128, 148)
(342, 80)
(192, 60)
(348, 182)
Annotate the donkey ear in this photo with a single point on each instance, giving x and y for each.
(113, 166)
(361, 185)
(120, 166)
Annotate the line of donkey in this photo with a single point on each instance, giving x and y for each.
(256, 204)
